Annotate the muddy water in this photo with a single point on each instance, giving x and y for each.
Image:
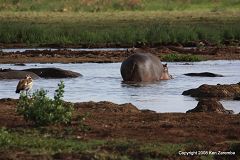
(103, 82)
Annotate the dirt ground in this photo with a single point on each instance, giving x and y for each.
(112, 121)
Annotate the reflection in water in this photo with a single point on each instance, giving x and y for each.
(103, 82)
(135, 85)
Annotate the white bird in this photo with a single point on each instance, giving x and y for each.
(24, 84)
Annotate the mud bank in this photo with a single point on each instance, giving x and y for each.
(68, 56)
(219, 91)
(112, 121)
(109, 122)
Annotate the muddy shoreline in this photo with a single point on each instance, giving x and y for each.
(68, 56)
(112, 121)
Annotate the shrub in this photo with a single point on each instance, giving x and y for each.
(42, 110)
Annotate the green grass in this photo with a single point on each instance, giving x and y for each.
(35, 143)
(128, 28)
(181, 58)
(211, 5)
(117, 5)
(38, 142)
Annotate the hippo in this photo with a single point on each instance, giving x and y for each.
(53, 73)
(141, 67)
(16, 74)
(37, 73)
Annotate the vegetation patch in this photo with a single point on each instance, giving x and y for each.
(125, 28)
(35, 143)
(181, 58)
(41, 110)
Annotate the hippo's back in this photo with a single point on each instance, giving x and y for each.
(141, 67)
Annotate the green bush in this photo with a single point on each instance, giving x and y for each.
(42, 110)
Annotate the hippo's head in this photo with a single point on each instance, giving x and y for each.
(165, 68)
(165, 75)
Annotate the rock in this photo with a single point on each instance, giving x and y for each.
(12, 74)
(5, 70)
(229, 91)
(204, 74)
(53, 73)
(147, 111)
(128, 108)
(8, 101)
(237, 97)
(186, 63)
(210, 105)
(19, 64)
(105, 106)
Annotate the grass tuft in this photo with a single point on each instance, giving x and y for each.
(181, 58)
